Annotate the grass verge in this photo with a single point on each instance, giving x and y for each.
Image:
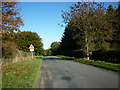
(23, 74)
(102, 64)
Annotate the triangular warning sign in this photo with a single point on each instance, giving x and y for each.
(31, 47)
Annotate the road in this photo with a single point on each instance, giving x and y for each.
(60, 73)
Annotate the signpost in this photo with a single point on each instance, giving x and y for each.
(31, 49)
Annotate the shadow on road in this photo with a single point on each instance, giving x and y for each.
(53, 58)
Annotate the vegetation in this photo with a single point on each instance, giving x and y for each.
(90, 27)
(106, 55)
(22, 74)
(13, 39)
(18, 68)
(47, 52)
(54, 47)
(67, 44)
(25, 38)
(11, 20)
(9, 50)
(102, 64)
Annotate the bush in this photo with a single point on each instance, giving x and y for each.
(9, 50)
(11, 54)
(73, 53)
(108, 55)
(65, 52)
(79, 53)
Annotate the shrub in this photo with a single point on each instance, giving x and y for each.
(108, 55)
(79, 53)
(9, 50)
(66, 52)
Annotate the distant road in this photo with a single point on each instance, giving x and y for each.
(59, 73)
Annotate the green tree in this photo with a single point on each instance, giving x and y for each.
(54, 47)
(88, 24)
(47, 52)
(110, 9)
(24, 39)
(113, 18)
(67, 44)
(116, 24)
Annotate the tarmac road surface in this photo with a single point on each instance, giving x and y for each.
(60, 73)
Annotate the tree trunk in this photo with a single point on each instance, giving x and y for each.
(87, 48)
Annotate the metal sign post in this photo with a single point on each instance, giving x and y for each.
(32, 54)
(31, 49)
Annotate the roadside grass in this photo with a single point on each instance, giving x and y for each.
(23, 74)
(66, 57)
(102, 64)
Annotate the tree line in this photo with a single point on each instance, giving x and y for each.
(13, 39)
(92, 31)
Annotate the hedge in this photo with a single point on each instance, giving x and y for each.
(108, 55)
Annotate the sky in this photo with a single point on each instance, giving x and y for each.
(43, 18)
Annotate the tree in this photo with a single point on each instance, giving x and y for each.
(54, 47)
(11, 20)
(116, 24)
(67, 44)
(110, 9)
(113, 18)
(89, 25)
(47, 52)
(24, 39)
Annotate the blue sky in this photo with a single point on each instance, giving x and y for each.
(43, 18)
(66, 0)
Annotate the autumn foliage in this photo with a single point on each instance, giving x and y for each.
(11, 20)
(13, 39)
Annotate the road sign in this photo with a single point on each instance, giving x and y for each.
(31, 49)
